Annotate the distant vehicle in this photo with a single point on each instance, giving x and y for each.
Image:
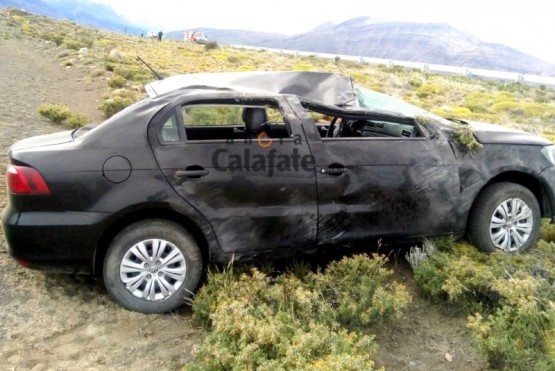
(198, 37)
(221, 166)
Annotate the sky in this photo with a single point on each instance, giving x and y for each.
(528, 26)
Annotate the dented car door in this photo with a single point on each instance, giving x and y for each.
(383, 187)
(257, 193)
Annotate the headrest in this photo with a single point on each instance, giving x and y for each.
(254, 118)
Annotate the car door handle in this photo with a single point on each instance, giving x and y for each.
(192, 172)
(334, 169)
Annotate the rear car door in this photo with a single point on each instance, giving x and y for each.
(257, 190)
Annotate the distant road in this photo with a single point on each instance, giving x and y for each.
(477, 73)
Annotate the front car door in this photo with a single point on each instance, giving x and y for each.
(380, 177)
(257, 190)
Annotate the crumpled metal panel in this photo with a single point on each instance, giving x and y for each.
(329, 88)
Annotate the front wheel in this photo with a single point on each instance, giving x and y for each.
(505, 217)
(152, 266)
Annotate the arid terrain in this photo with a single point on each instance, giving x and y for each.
(51, 321)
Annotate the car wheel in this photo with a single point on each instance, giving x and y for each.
(506, 217)
(152, 266)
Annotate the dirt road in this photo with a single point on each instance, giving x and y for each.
(62, 322)
(57, 321)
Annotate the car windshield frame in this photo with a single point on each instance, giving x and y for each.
(376, 101)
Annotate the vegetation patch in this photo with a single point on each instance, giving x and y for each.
(465, 136)
(299, 319)
(510, 299)
(55, 112)
(113, 105)
(59, 113)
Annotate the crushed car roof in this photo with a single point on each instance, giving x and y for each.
(330, 88)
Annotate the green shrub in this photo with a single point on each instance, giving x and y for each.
(113, 105)
(427, 90)
(357, 287)
(303, 67)
(547, 231)
(55, 38)
(505, 106)
(73, 44)
(511, 298)
(519, 334)
(57, 113)
(234, 60)
(117, 82)
(294, 320)
(77, 120)
(462, 112)
(127, 71)
(211, 45)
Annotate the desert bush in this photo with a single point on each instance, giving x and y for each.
(117, 82)
(127, 71)
(58, 39)
(211, 45)
(357, 287)
(547, 231)
(462, 112)
(303, 67)
(427, 90)
(520, 332)
(73, 44)
(505, 106)
(77, 120)
(110, 63)
(57, 113)
(294, 320)
(232, 59)
(114, 104)
(511, 298)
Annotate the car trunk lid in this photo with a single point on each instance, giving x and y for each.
(43, 140)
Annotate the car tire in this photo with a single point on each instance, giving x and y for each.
(493, 225)
(152, 266)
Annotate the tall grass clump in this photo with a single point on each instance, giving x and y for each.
(296, 320)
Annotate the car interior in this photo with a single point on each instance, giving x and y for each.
(225, 122)
(350, 124)
(344, 128)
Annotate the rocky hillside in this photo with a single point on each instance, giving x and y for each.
(436, 43)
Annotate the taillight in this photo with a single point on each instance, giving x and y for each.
(25, 180)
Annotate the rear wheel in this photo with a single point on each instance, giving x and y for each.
(505, 217)
(152, 266)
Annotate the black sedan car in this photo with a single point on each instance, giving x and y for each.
(212, 167)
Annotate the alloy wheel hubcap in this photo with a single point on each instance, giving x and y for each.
(511, 224)
(153, 269)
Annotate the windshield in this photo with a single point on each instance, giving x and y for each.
(377, 101)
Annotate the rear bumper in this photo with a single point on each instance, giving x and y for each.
(53, 241)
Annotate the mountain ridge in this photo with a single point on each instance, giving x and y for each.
(82, 12)
(435, 43)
